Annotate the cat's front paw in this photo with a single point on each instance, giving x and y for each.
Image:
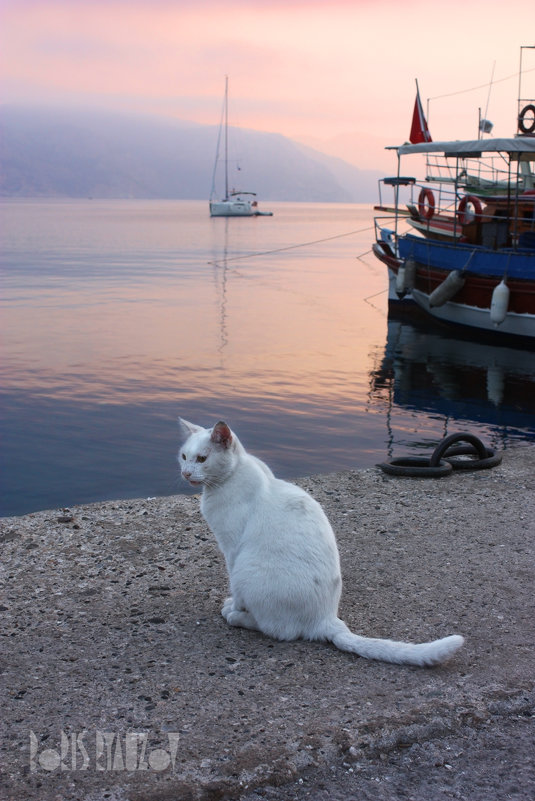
(228, 607)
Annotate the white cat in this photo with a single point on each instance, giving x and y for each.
(281, 553)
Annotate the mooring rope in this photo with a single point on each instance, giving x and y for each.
(290, 247)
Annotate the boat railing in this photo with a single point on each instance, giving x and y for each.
(408, 194)
(386, 235)
(483, 176)
(418, 200)
(448, 190)
(438, 211)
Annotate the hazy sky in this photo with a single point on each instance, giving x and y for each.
(318, 69)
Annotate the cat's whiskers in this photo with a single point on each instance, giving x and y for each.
(211, 482)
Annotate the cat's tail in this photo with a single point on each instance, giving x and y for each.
(401, 653)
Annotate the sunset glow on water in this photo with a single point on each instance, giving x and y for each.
(119, 316)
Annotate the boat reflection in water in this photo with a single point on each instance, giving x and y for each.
(469, 386)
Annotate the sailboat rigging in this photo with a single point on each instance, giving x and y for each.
(234, 203)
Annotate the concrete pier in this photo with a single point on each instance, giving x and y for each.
(121, 681)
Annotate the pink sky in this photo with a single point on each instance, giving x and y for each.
(310, 69)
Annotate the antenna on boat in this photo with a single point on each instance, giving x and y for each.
(485, 125)
(525, 125)
(226, 137)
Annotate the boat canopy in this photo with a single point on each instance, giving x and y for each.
(399, 181)
(472, 147)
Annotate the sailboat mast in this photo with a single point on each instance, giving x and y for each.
(226, 137)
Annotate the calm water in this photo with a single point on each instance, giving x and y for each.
(118, 316)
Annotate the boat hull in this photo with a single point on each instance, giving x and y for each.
(482, 272)
(462, 314)
(472, 258)
(232, 208)
(439, 227)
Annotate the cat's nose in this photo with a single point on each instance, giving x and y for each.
(186, 474)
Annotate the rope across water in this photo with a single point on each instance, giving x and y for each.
(291, 247)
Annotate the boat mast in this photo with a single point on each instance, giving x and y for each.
(226, 137)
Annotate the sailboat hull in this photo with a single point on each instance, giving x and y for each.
(232, 208)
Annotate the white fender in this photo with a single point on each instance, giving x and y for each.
(400, 281)
(410, 274)
(499, 303)
(453, 282)
(406, 277)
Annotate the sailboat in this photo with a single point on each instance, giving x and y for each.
(234, 203)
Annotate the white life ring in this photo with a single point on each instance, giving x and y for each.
(464, 214)
(426, 203)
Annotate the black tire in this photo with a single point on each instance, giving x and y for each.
(522, 126)
(486, 457)
(416, 467)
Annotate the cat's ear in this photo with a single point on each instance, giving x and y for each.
(221, 434)
(186, 429)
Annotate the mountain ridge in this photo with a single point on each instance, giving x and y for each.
(55, 152)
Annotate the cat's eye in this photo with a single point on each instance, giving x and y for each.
(184, 456)
(201, 459)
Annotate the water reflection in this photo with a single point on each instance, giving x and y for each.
(119, 316)
(220, 271)
(459, 383)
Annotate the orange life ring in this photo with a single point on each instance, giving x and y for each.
(464, 215)
(527, 129)
(426, 204)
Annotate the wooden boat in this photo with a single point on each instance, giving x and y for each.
(469, 260)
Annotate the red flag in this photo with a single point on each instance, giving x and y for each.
(419, 129)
